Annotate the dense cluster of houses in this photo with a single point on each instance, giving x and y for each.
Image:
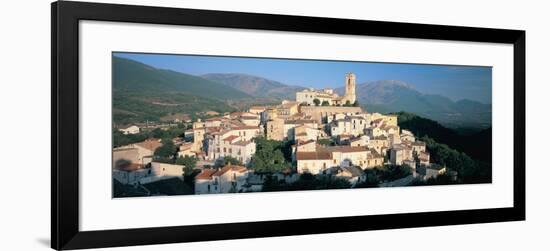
(340, 141)
(134, 164)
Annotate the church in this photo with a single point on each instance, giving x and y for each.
(327, 96)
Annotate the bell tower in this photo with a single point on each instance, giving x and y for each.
(350, 88)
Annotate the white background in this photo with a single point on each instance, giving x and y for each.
(25, 108)
(99, 39)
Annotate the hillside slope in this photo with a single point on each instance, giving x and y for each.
(393, 96)
(477, 145)
(130, 75)
(144, 93)
(254, 85)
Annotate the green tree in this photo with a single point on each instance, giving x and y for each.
(372, 179)
(167, 150)
(157, 133)
(469, 170)
(316, 101)
(188, 162)
(120, 139)
(311, 182)
(356, 104)
(326, 142)
(227, 160)
(325, 103)
(270, 155)
(273, 184)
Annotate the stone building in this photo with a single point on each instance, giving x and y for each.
(230, 178)
(327, 96)
(354, 125)
(325, 157)
(235, 142)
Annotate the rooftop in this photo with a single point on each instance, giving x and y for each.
(230, 138)
(229, 167)
(150, 144)
(206, 174)
(344, 149)
(313, 155)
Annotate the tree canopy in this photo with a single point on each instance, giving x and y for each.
(316, 101)
(306, 182)
(271, 155)
(167, 150)
(189, 163)
(120, 139)
(227, 160)
(469, 170)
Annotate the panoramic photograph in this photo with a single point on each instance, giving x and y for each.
(198, 125)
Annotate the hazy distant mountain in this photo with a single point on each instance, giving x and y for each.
(144, 93)
(130, 75)
(254, 85)
(394, 96)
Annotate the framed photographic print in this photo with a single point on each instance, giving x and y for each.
(178, 125)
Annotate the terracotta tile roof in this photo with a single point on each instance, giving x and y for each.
(186, 146)
(206, 174)
(230, 138)
(288, 105)
(423, 158)
(150, 144)
(215, 119)
(214, 129)
(313, 155)
(344, 149)
(227, 168)
(245, 128)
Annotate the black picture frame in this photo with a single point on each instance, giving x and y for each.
(65, 231)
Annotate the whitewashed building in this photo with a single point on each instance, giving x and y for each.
(160, 169)
(230, 178)
(130, 130)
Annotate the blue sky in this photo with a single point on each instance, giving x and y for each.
(455, 82)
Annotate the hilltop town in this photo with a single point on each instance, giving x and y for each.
(319, 140)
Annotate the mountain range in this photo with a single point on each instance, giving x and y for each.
(145, 93)
(254, 85)
(393, 96)
(135, 82)
(383, 96)
(130, 75)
